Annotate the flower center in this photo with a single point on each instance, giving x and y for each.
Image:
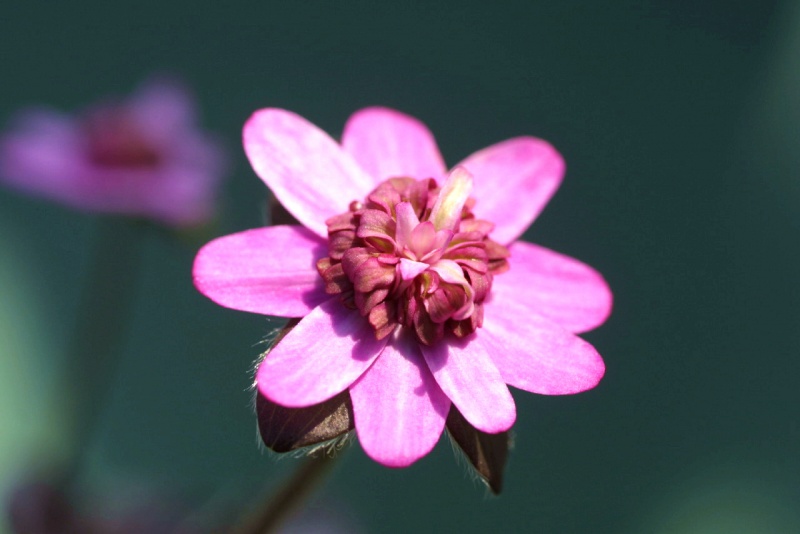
(412, 254)
(115, 140)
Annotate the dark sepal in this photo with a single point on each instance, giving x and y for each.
(486, 452)
(287, 429)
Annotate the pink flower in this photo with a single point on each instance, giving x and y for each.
(413, 291)
(143, 156)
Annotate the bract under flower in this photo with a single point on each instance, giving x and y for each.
(144, 156)
(462, 309)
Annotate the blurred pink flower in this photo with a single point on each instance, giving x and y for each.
(406, 300)
(144, 156)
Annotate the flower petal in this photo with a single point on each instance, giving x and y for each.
(556, 286)
(266, 270)
(41, 153)
(409, 269)
(536, 354)
(466, 373)
(308, 172)
(514, 180)
(407, 220)
(164, 108)
(399, 409)
(324, 354)
(446, 211)
(387, 144)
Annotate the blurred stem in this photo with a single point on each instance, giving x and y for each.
(101, 325)
(279, 506)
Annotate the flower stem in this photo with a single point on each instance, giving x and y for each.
(102, 319)
(288, 498)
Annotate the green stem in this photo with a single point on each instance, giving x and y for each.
(101, 326)
(280, 505)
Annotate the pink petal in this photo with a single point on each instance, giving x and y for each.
(308, 172)
(535, 354)
(399, 409)
(424, 238)
(322, 356)
(179, 195)
(387, 143)
(555, 286)
(410, 269)
(464, 370)
(452, 273)
(164, 108)
(41, 153)
(407, 220)
(446, 211)
(513, 182)
(380, 226)
(266, 270)
(435, 249)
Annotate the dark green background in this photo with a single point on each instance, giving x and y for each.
(679, 124)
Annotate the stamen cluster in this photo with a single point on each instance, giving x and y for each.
(401, 258)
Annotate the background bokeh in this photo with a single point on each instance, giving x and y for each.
(680, 124)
